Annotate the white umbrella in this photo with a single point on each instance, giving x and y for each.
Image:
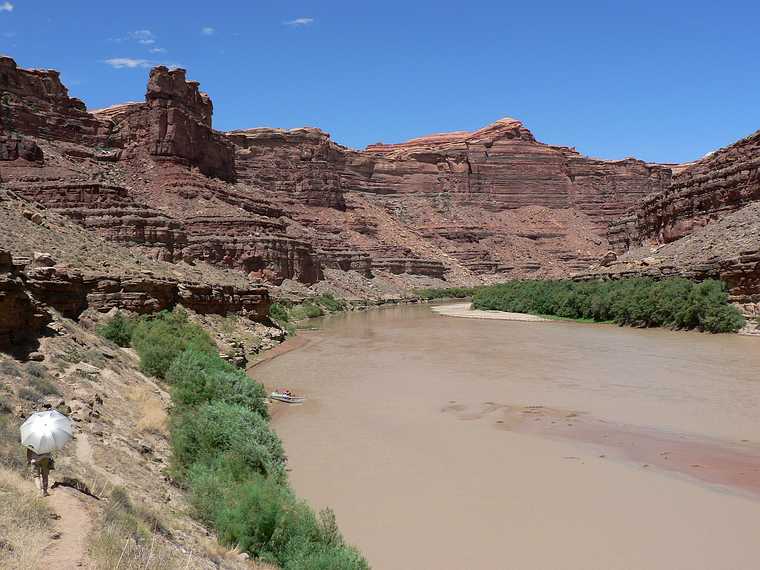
(47, 431)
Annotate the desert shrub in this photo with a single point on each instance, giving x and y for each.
(72, 355)
(44, 387)
(160, 339)
(675, 303)
(36, 370)
(118, 329)
(219, 428)
(227, 456)
(278, 313)
(267, 519)
(199, 377)
(12, 455)
(328, 302)
(306, 310)
(318, 557)
(8, 367)
(39, 380)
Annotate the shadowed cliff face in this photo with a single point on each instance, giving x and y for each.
(706, 224)
(291, 204)
(724, 181)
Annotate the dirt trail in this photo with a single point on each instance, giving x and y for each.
(74, 526)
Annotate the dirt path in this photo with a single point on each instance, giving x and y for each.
(74, 526)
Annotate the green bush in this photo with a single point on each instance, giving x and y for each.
(226, 454)
(328, 302)
(265, 518)
(278, 313)
(160, 339)
(306, 310)
(675, 303)
(118, 330)
(199, 377)
(219, 428)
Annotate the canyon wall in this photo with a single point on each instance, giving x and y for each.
(278, 205)
(706, 224)
(722, 182)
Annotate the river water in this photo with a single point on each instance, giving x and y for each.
(445, 443)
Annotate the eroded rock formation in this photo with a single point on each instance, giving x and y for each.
(723, 181)
(174, 124)
(21, 316)
(704, 225)
(278, 204)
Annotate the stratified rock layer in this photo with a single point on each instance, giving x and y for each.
(721, 182)
(705, 225)
(174, 123)
(281, 205)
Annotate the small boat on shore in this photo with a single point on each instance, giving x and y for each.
(286, 396)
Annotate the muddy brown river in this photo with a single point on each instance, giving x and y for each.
(445, 443)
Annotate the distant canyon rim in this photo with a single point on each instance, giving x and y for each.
(221, 221)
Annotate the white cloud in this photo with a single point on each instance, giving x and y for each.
(208, 31)
(6, 7)
(145, 37)
(127, 62)
(299, 22)
(157, 50)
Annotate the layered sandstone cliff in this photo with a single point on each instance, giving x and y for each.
(174, 124)
(722, 182)
(280, 205)
(704, 225)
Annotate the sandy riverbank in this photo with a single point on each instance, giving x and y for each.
(465, 310)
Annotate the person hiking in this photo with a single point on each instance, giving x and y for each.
(41, 464)
(41, 434)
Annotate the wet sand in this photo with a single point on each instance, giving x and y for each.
(454, 443)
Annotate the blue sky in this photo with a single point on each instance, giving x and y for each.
(663, 81)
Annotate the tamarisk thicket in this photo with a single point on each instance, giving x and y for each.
(674, 303)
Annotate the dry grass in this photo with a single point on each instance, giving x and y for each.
(115, 547)
(152, 414)
(25, 522)
(230, 558)
(128, 537)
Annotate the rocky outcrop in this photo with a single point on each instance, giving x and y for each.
(70, 293)
(35, 102)
(15, 147)
(289, 204)
(503, 167)
(302, 163)
(111, 213)
(21, 316)
(429, 268)
(727, 249)
(173, 124)
(272, 258)
(721, 182)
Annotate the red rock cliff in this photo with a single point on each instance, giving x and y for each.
(721, 182)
